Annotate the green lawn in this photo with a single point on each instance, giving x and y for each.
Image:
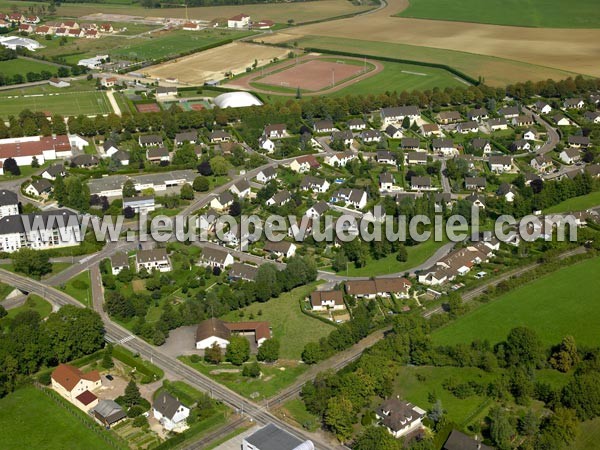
(79, 288)
(56, 268)
(564, 302)
(589, 436)
(292, 327)
(22, 66)
(171, 44)
(31, 419)
(297, 410)
(576, 204)
(417, 254)
(5, 289)
(416, 383)
(531, 13)
(497, 71)
(34, 303)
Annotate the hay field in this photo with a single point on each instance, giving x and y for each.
(212, 64)
(497, 71)
(569, 50)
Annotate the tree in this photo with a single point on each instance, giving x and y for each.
(34, 162)
(3, 312)
(238, 350)
(339, 417)
(31, 262)
(132, 396)
(500, 428)
(187, 192)
(251, 370)
(523, 347)
(129, 189)
(376, 438)
(59, 189)
(268, 351)
(582, 394)
(11, 166)
(340, 261)
(235, 209)
(213, 354)
(204, 168)
(219, 165)
(312, 353)
(129, 212)
(107, 362)
(402, 255)
(566, 356)
(201, 184)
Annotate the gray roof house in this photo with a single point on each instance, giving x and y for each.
(271, 437)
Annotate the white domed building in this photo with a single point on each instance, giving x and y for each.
(238, 99)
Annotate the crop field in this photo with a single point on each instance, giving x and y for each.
(497, 71)
(68, 103)
(22, 66)
(214, 63)
(564, 302)
(533, 13)
(30, 419)
(565, 49)
(278, 12)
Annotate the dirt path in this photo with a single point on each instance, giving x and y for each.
(244, 83)
(113, 103)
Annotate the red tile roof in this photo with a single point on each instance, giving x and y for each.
(68, 376)
(86, 397)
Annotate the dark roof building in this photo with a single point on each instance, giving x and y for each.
(271, 437)
(460, 441)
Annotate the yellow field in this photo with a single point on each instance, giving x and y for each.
(569, 50)
(212, 64)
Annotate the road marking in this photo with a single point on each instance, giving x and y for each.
(126, 339)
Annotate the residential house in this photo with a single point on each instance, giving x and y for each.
(560, 120)
(509, 112)
(379, 287)
(542, 163)
(84, 160)
(318, 185)
(385, 157)
(327, 300)
(58, 83)
(397, 114)
(271, 437)
(482, 145)
(421, 184)
(51, 172)
(214, 331)
(39, 188)
(241, 189)
(170, 412)
(530, 135)
(239, 21)
(356, 124)
(156, 259)
(158, 155)
(304, 163)
(386, 182)
(523, 120)
(475, 183)
(340, 159)
(9, 203)
(316, 210)
(118, 262)
(579, 141)
(110, 147)
(498, 124)
(507, 191)
(393, 132)
(275, 131)
(218, 136)
(469, 160)
(446, 117)
(477, 114)
(351, 197)
(570, 155)
(323, 126)
(190, 137)
(460, 441)
(266, 144)
(592, 116)
(573, 103)
(500, 164)
(76, 386)
(368, 136)
(281, 198)
(430, 129)
(419, 158)
(410, 143)
(281, 249)
(216, 257)
(241, 271)
(542, 107)
(150, 140)
(399, 417)
(520, 144)
(477, 200)
(222, 201)
(122, 157)
(266, 175)
(459, 262)
(467, 127)
(444, 147)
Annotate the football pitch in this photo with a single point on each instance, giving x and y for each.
(63, 103)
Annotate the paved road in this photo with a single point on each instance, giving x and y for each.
(553, 136)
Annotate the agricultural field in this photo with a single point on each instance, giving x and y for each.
(278, 12)
(23, 66)
(562, 303)
(290, 326)
(79, 98)
(564, 49)
(31, 419)
(533, 13)
(496, 71)
(214, 63)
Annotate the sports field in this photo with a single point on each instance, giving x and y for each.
(497, 71)
(65, 103)
(30, 419)
(564, 302)
(214, 63)
(531, 13)
(22, 66)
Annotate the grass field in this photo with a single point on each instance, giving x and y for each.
(34, 303)
(5, 289)
(497, 71)
(589, 436)
(81, 98)
(56, 268)
(293, 328)
(532, 13)
(576, 203)
(79, 287)
(22, 66)
(297, 410)
(564, 302)
(30, 419)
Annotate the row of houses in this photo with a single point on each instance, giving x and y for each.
(68, 29)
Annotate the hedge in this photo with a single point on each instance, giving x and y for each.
(149, 371)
